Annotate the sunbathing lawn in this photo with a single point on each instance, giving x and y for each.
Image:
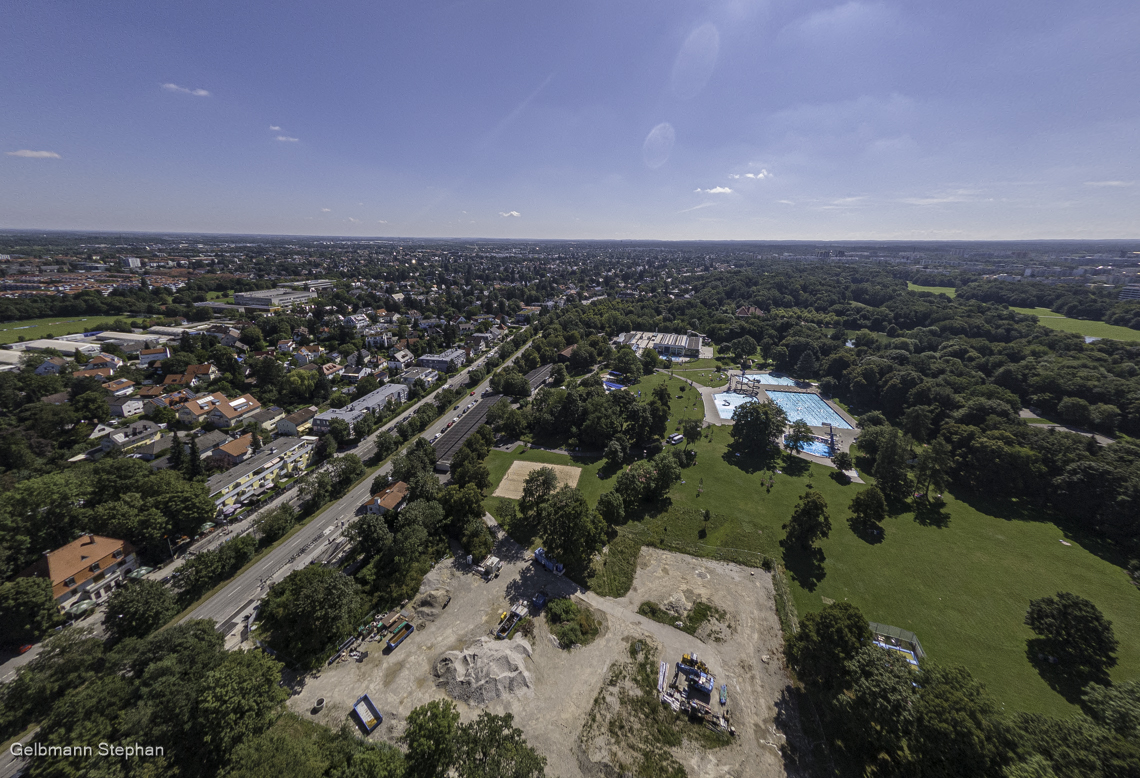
(963, 587)
(1090, 329)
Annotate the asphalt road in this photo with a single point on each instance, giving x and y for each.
(239, 598)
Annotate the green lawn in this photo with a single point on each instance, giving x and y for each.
(963, 587)
(1090, 329)
(703, 377)
(946, 290)
(32, 329)
(220, 297)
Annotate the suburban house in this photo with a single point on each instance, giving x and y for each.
(156, 449)
(105, 360)
(234, 451)
(268, 418)
(283, 458)
(173, 400)
(233, 412)
(372, 402)
(445, 362)
(196, 410)
(425, 374)
(126, 406)
(193, 374)
(298, 423)
(120, 387)
(358, 321)
(285, 346)
(401, 360)
(85, 569)
(52, 366)
(98, 373)
(131, 437)
(209, 441)
(745, 311)
(354, 374)
(148, 356)
(391, 499)
(306, 354)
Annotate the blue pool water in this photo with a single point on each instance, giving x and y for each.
(817, 448)
(770, 380)
(727, 402)
(809, 407)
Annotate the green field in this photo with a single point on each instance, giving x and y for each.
(962, 583)
(10, 332)
(1090, 329)
(946, 290)
(704, 377)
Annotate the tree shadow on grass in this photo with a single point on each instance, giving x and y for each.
(748, 460)
(794, 466)
(1022, 510)
(1067, 681)
(872, 536)
(931, 513)
(805, 565)
(840, 477)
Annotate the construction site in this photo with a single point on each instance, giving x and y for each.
(478, 636)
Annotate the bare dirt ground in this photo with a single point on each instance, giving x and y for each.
(553, 708)
(512, 484)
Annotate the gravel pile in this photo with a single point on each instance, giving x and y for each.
(485, 671)
(429, 604)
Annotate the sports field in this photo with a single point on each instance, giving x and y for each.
(946, 290)
(512, 484)
(962, 582)
(1090, 329)
(32, 329)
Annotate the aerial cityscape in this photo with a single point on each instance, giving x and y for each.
(477, 390)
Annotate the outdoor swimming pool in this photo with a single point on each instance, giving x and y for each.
(807, 406)
(818, 448)
(770, 380)
(727, 402)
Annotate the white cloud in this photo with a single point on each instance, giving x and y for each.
(29, 154)
(697, 207)
(274, 128)
(758, 176)
(1109, 183)
(714, 190)
(381, 221)
(185, 91)
(512, 214)
(326, 210)
(734, 175)
(287, 139)
(786, 202)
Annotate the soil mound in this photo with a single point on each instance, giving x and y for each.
(485, 671)
(428, 605)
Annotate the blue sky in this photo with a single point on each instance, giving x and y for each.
(729, 119)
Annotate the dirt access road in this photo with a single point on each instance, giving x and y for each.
(552, 706)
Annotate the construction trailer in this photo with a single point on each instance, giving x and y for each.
(551, 564)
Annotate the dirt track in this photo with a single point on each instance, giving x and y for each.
(566, 683)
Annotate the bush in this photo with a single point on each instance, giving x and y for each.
(571, 624)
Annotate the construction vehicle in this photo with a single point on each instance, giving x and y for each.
(509, 619)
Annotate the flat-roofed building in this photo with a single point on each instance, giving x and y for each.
(67, 348)
(272, 298)
(445, 362)
(283, 458)
(373, 402)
